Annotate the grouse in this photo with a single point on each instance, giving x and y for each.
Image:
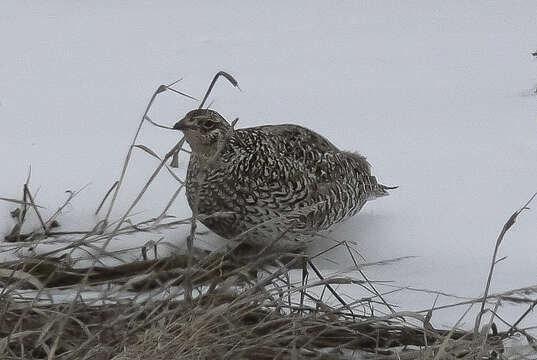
(273, 184)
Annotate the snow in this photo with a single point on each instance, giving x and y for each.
(438, 95)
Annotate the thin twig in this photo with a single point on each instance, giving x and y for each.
(329, 287)
(71, 196)
(168, 205)
(41, 221)
(106, 197)
(510, 222)
(230, 78)
(142, 192)
(159, 90)
(528, 310)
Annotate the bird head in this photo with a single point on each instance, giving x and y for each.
(204, 130)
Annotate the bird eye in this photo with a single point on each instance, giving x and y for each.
(208, 124)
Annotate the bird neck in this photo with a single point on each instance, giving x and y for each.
(206, 152)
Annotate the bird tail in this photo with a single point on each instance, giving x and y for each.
(374, 188)
(380, 189)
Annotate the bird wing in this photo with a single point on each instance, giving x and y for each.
(287, 167)
(295, 133)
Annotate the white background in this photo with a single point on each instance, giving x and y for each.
(438, 95)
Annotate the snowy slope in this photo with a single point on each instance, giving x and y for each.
(438, 96)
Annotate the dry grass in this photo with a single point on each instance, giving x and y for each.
(241, 309)
(234, 303)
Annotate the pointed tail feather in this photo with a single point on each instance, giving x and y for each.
(382, 190)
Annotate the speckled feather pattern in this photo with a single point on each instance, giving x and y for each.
(279, 181)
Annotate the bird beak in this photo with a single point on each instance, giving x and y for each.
(181, 125)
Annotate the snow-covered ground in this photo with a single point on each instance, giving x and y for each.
(438, 95)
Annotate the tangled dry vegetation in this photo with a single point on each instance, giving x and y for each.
(234, 303)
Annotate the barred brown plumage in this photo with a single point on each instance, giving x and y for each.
(273, 182)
